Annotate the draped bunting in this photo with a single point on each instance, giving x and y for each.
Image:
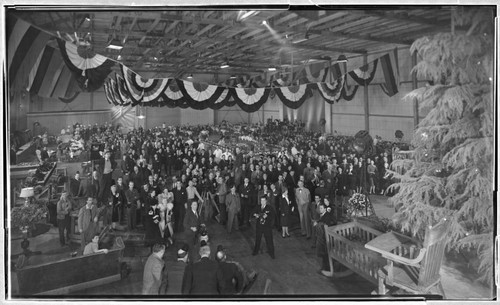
(348, 92)
(89, 68)
(338, 70)
(24, 45)
(293, 96)
(250, 99)
(143, 90)
(364, 74)
(198, 95)
(318, 77)
(332, 92)
(122, 91)
(70, 99)
(387, 61)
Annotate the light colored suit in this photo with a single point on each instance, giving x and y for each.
(303, 198)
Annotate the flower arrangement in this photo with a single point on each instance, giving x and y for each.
(26, 216)
(262, 217)
(359, 205)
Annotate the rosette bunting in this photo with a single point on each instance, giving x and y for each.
(294, 96)
(199, 95)
(332, 92)
(250, 99)
(89, 69)
(364, 74)
(143, 90)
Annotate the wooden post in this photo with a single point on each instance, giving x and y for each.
(414, 86)
(367, 109)
(91, 100)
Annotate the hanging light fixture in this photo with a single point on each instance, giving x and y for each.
(190, 76)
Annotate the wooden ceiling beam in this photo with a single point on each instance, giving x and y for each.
(398, 17)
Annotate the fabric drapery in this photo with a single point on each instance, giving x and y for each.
(89, 69)
(364, 74)
(332, 92)
(293, 96)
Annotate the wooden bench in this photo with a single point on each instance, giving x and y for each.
(72, 274)
(346, 245)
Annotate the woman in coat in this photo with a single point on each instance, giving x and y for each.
(286, 209)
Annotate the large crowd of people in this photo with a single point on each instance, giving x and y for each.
(173, 181)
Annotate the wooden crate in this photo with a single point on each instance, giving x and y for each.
(353, 254)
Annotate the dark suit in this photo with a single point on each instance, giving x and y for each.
(76, 187)
(264, 227)
(231, 273)
(245, 193)
(172, 285)
(191, 220)
(180, 198)
(203, 278)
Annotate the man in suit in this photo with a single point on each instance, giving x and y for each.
(192, 222)
(76, 186)
(233, 207)
(264, 214)
(180, 205)
(232, 277)
(245, 193)
(174, 273)
(221, 197)
(319, 241)
(153, 271)
(203, 277)
(108, 165)
(303, 198)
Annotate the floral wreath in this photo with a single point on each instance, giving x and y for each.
(358, 203)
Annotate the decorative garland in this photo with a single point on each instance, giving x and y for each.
(332, 92)
(294, 96)
(364, 74)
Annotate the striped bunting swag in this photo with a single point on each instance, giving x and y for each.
(90, 69)
(149, 89)
(121, 88)
(332, 92)
(315, 75)
(24, 45)
(364, 74)
(172, 92)
(348, 92)
(293, 96)
(391, 76)
(250, 99)
(109, 97)
(198, 93)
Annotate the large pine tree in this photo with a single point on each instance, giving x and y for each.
(451, 173)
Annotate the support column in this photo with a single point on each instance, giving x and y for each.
(328, 117)
(414, 83)
(91, 100)
(366, 107)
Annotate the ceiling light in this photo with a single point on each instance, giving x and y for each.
(115, 44)
(271, 69)
(264, 22)
(190, 76)
(119, 57)
(224, 65)
(342, 58)
(248, 14)
(233, 76)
